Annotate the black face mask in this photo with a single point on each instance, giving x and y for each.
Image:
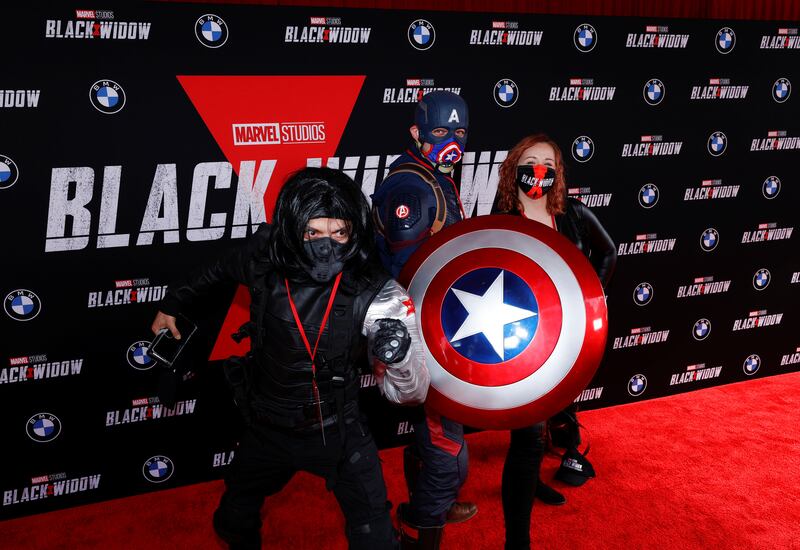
(535, 179)
(326, 257)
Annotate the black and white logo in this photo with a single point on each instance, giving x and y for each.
(725, 40)
(771, 187)
(648, 195)
(506, 92)
(421, 34)
(642, 294)
(653, 91)
(158, 469)
(107, 96)
(701, 329)
(43, 427)
(781, 90)
(709, 239)
(211, 30)
(751, 364)
(761, 279)
(22, 304)
(137, 355)
(585, 38)
(582, 148)
(637, 384)
(9, 173)
(717, 143)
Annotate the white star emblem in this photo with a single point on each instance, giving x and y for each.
(488, 314)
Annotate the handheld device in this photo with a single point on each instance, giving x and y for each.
(165, 348)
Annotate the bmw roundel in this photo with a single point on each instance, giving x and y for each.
(709, 239)
(421, 34)
(585, 38)
(505, 92)
(751, 364)
(43, 427)
(717, 142)
(138, 357)
(701, 329)
(653, 91)
(22, 304)
(582, 148)
(158, 469)
(771, 187)
(725, 40)
(761, 279)
(107, 96)
(9, 172)
(637, 384)
(648, 195)
(781, 90)
(211, 30)
(642, 294)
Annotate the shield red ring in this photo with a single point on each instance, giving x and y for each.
(566, 349)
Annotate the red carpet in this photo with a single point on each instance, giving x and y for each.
(715, 468)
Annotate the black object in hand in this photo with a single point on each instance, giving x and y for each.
(391, 341)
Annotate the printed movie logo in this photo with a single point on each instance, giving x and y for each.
(19, 99)
(652, 146)
(767, 232)
(127, 291)
(719, 88)
(784, 39)
(327, 30)
(795, 278)
(368, 381)
(278, 133)
(222, 458)
(148, 408)
(582, 89)
(29, 368)
(405, 427)
(642, 336)
(585, 195)
(776, 140)
(50, 486)
(757, 319)
(702, 286)
(791, 358)
(505, 33)
(98, 24)
(646, 243)
(695, 373)
(413, 91)
(656, 36)
(589, 394)
(710, 189)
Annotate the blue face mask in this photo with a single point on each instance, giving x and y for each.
(445, 153)
(442, 109)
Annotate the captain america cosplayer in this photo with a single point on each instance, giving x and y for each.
(417, 198)
(317, 296)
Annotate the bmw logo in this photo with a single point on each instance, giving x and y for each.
(637, 384)
(717, 142)
(158, 469)
(701, 329)
(211, 31)
(642, 294)
(751, 364)
(781, 90)
(648, 195)
(137, 355)
(22, 304)
(43, 427)
(582, 148)
(709, 239)
(107, 96)
(505, 92)
(8, 172)
(585, 38)
(771, 187)
(725, 40)
(761, 279)
(653, 91)
(421, 34)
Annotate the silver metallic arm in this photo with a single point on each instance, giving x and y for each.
(406, 381)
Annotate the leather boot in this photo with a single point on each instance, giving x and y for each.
(417, 538)
(548, 495)
(461, 511)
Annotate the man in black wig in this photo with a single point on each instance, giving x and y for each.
(316, 295)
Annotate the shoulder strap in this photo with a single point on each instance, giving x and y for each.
(430, 179)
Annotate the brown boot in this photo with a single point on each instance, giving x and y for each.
(461, 511)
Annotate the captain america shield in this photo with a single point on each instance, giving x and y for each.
(513, 320)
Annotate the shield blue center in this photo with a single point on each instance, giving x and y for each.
(485, 325)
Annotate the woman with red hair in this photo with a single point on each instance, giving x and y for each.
(532, 185)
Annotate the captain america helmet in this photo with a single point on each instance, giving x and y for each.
(441, 109)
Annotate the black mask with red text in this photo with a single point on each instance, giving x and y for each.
(535, 179)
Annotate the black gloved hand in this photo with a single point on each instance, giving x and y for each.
(391, 341)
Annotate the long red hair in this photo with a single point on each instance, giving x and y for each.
(507, 198)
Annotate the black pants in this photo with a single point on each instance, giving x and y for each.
(265, 462)
(520, 474)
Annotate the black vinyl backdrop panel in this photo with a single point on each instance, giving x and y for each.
(140, 141)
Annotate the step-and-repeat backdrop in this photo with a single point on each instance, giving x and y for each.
(138, 142)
